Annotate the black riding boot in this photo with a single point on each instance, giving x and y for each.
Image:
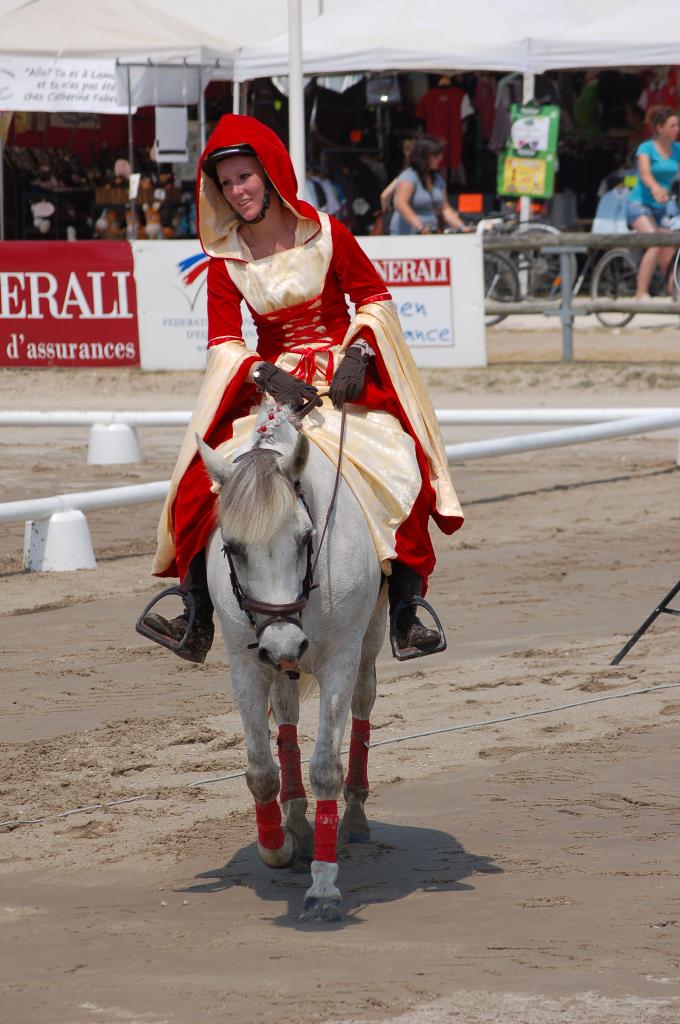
(403, 585)
(199, 640)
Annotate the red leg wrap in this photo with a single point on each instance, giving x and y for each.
(326, 830)
(269, 831)
(289, 758)
(357, 772)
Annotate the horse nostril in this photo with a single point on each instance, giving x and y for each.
(303, 647)
(264, 656)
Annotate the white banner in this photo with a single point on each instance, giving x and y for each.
(436, 283)
(85, 86)
(172, 309)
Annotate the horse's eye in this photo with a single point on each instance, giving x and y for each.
(235, 550)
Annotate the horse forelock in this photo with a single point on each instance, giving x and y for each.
(276, 424)
(256, 500)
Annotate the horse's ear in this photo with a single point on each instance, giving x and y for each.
(293, 465)
(218, 468)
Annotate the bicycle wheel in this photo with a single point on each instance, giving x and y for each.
(614, 277)
(500, 283)
(543, 269)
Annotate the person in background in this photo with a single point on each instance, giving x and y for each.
(387, 194)
(658, 161)
(421, 206)
(637, 132)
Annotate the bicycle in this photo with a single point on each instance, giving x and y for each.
(613, 273)
(523, 274)
(615, 277)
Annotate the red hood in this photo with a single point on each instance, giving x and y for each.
(215, 217)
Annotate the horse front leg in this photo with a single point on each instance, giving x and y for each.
(277, 848)
(354, 826)
(285, 701)
(323, 898)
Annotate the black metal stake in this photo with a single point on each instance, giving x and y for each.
(662, 607)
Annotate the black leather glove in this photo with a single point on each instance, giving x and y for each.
(282, 386)
(348, 379)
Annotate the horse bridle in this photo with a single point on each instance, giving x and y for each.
(288, 612)
(291, 611)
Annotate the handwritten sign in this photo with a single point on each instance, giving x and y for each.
(85, 86)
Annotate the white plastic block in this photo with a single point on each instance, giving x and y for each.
(58, 544)
(113, 444)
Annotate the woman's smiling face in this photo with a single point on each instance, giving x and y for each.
(242, 182)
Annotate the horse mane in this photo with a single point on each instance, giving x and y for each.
(257, 498)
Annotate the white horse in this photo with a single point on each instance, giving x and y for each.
(272, 506)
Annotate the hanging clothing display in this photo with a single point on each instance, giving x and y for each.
(444, 109)
(484, 102)
(661, 91)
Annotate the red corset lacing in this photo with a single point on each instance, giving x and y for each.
(294, 328)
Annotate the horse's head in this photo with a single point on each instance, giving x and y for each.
(267, 534)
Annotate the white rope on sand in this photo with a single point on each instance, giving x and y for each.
(15, 823)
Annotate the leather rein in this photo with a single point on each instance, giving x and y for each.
(291, 611)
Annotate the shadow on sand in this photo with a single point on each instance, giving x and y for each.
(400, 860)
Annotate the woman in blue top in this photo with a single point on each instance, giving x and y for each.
(658, 161)
(420, 200)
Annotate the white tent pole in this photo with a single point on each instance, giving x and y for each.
(527, 97)
(132, 227)
(201, 110)
(236, 96)
(296, 98)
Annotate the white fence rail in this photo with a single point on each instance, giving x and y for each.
(446, 417)
(84, 501)
(545, 417)
(57, 537)
(558, 438)
(113, 435)
(56, 534)
(29, 418)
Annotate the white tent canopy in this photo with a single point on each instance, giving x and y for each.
(629, 33)
(377, 35)
(138, 30)
(126, 29)
(495, 35)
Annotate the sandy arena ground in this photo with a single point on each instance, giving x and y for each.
(522, 872)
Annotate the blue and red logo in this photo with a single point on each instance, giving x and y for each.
(193, 271)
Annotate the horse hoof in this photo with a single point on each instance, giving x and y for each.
(281, 858)
(356, 837)
(321, 908)
(296, 823)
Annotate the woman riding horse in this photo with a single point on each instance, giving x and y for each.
(293, 266)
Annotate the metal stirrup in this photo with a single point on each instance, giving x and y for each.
(407, 653)
(176, 646)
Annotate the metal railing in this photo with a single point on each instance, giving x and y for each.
(568, 244)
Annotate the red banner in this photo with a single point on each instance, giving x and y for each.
(67, 304)
(417, 272)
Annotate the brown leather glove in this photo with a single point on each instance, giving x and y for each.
(348, 379)
(282, 386)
